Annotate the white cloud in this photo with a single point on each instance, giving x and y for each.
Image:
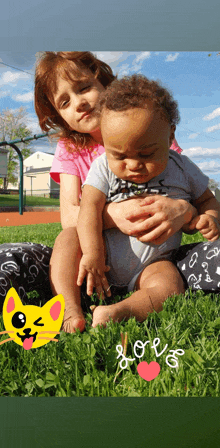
(33, 125)
(213, 128)
(171, 57)
(192, 136)
(118, 61)
(4, 93)
(211, 167)
(24, 98)
(214, 114)
(198, 152)
(141, 57)
(109, 56)
(12, 77)
(44, 145)
(124, 70)
(138, 61)
(136, 68)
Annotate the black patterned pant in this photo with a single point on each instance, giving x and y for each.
(25, 266)
(199, 265)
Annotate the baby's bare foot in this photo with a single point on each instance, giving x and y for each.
(72, 320)
(103, 314)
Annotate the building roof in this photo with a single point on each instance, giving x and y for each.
(38, 170)
(38, 152)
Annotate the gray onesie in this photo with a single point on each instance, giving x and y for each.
(126, 256)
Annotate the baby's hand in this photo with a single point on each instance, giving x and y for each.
(93, 268)
(207, 225)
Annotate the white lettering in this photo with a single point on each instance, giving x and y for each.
(119, 349)
(141, 345)
(156, 342)
(179, 352)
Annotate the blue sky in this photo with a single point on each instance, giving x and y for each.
(193, 77)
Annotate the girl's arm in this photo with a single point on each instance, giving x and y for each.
(89, 228)
(152, 219)
(207, 204)
(70, 188)
(208, 219)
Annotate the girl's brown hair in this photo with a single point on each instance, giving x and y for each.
(138, 91)
(72, 66)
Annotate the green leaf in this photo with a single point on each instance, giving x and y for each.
(29, 386)
(134, 394)
(192, 356)
(92, 351)
(12, 386)
(86, 338)
(215, 324)
(86, 380)
(111, 360)
(49, 385)
(50, 376)
(40, 382)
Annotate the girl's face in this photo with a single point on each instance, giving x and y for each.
(76, 103)
(137, 143)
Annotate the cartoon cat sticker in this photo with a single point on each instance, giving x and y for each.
(32, 326)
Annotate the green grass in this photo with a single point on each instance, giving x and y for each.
(86, 365)
(39, 233)
(13, 200)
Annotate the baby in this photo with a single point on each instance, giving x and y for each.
(138, 122)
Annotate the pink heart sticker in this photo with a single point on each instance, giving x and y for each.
(148, 371)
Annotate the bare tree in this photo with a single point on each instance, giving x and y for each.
(13, 126)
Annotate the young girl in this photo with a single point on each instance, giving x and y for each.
(138, 121)
(67, 90)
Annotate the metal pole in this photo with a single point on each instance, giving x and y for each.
(21, 176)
(27, 139)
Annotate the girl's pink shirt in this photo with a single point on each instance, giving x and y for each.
(75, 163)
(78, 163)
(176, 147)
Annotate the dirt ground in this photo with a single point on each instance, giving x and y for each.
(14, 219)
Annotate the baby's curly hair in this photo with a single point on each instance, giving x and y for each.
(137, 91)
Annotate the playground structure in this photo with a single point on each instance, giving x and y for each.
(3, 161)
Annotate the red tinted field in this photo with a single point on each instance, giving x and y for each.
(14, 219)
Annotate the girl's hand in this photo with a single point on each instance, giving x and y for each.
(207, 225)
(93, 267)
(161, 217)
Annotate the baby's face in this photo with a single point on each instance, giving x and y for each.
(136, 142)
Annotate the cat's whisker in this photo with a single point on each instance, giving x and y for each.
(7, 340)
(51, 332)
(50, 339)
(3, 332)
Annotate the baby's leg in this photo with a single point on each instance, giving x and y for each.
(155, 284)
(64, 267)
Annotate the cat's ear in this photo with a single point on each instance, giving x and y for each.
(55, 307)
(12, 301)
